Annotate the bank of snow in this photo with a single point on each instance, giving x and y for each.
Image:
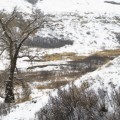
(107, 77)
(92, 25)
(57, 6)
(27, 110)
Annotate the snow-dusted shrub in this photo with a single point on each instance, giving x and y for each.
(3, 76)
(47, 42)
(32, 1)
(77, 104)
(4, 109)
(26, 93)
(118, 37)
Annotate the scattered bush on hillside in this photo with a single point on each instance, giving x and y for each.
(118, 37)
(4, 109)
(32, 1)
(47, 42)
(79, 104)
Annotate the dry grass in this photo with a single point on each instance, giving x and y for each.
(53, 85)
(109, 53)
(62, 56)
(58, 56)
(73, 56)
(24, 96)
(77, 58)
(50, 75)
(21, 100)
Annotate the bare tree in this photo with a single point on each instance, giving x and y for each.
(15, 29)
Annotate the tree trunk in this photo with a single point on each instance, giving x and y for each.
(9, 95)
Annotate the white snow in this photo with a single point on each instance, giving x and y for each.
(9, 5)
(106, 77)
(91, 24)
(57, 6)
(27, 110)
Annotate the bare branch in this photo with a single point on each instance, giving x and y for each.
(3, 50)
(28, 34)
(4, 40)
(12, 17)
(28, 26)
(5, 30)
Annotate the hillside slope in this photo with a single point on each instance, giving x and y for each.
(91, 25)
(105, 78)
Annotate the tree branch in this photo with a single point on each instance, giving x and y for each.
(4, 40)
(28, 26)
(12, 16)
(5, 30)
(3, 50)
(28, 34)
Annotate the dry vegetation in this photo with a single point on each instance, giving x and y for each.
(109, 53)
(69, 72)
(4, 109)
(62, 56)
(74, 104)
(73, 56)
(41, 76)
(24, 96)
(79, 104)
(53, 85)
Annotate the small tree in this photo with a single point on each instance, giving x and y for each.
(15, 29)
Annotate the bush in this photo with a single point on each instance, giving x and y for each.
(4, 109)
(47, 42)
(32, 1)
(78, 104)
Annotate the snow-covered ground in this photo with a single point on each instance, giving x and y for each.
(77, 5)
(105, 77)
(27, 110)
(91, 24)
(58, 6)
(90, 32)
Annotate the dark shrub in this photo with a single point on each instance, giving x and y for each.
(32, 1)
(79, 104)
(4, 109)
(47, 42)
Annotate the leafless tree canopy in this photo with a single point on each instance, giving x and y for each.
(15, 29)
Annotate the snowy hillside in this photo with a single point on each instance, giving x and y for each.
(90, 24)
(62, 5)
(105, 77)
(88, 52)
